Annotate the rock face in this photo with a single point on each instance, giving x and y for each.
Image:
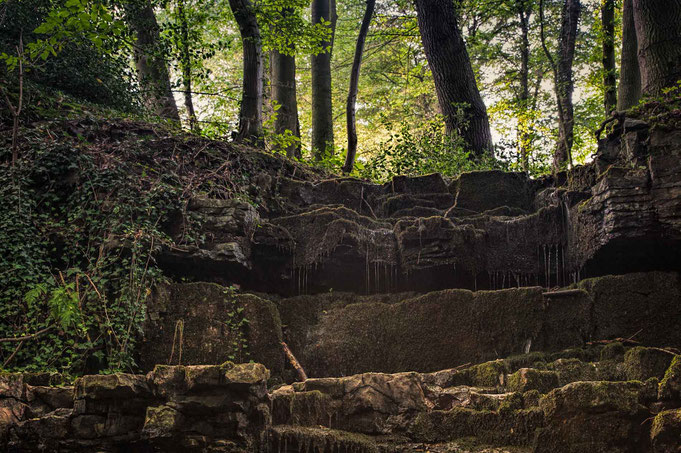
(484, 230)
(574, 400)
(174, 408)
(340, 334)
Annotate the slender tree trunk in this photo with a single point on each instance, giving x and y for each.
(354, 84)
(453, 74)
(186, 67)
(609, 70)
(564, 83)
(658, 29)
(322, 106)
(524, 14)
(152, 69)
(630, 74)
(250, 116)
(283, 70)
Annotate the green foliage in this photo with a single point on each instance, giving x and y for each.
(236, 324)
(427, 150)
(95, 227)
(77, 46)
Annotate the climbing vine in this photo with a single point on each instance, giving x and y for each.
(236, 324)
(77, 240)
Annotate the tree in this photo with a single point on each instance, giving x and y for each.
(322, 11)
(658, 30)
(283, 66)
(453, 74)
(609, 70)
(186, 65)
(354, 82)
(629, 91)
(250, 115)
(563, 80)
(151, 65)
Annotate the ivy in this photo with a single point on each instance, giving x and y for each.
(76, 253)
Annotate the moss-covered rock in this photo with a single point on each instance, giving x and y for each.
(594, 417)
(642, 363)
(613, 351)
(210, 324)
(161, 421)
(670, 386)
(665, 434)
(296, 438)
(112, 386)
(508, 427)
(530, 379)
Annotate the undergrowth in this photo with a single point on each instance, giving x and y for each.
(83, 216)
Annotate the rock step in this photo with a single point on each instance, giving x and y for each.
(501, 403)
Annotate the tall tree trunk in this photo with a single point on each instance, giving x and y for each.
(658, 29)
(524, 13)
(354, 84)
(152, 70)
(283, 69)
(609, 70)
(630, 74)
(250, 115)
(186, 67)
(322, 106)
(453, 74)
(563, 80)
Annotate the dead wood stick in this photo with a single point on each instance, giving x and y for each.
(294, 362)
(27, 337)
(563, 293)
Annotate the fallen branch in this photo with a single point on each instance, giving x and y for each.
(27, 337)
(294, 362)
(563, 293)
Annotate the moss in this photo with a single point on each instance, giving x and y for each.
(510, 427)
(512, 402)
(641, 363)
(488, 374)
(612, 351)
(310, 409)
(247, 373)
(665, 432)
(531, 360)
(161, 421)
(531, 399)
(592, 397)
(297, 438)
(670, 386)
(530, 379)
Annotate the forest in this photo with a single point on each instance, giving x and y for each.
(340, 226)
(374, 89)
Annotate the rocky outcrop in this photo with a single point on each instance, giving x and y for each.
(568, 401)
(340, 334)
(174, 408)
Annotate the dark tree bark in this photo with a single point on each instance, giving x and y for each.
(322, 106)
(453, 74)
(629, 92)
(250, 115)
(152, 69)
(658, 29)
(284, 94)
(609, 70)
(354, 83)
(186, 67)
(524, 10)
(563, 80)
